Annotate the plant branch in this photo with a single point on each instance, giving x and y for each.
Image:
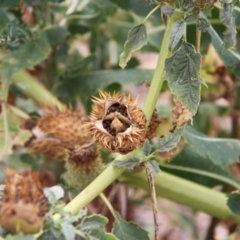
(108, 204)
(153, 199)
(203, 173)
(158, 76)
(198, 38)
(6, 130)
(29, 86)
(185, 192)
(148, 16)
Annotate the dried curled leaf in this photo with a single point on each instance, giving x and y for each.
(23, 204)
(117, 123)
(59, 131)
(181, 115)
(154, 123)
(169, 154)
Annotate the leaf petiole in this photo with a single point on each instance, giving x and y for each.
(149, 15)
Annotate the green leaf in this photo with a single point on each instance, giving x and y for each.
(176, 35)
(233, 202)
(229, 56)
(86, 85)
(93, 222)
(167, 10)
(3, 20)
(202, 24)
(147, 148)
(51, 234)
(169, 141)
(54, 193)
(9, 3)
(182, 73)
(68, 230)
(139, 7)
(129, 164)
(227, 18)
(137, 38)
(99, 234)
(93, 226)
(191, 18)
(20, 237)
(27, 56)
(16, 136)
(128, 230)
(154, 166)
(222, 151)
(55, 34)
(190, 165)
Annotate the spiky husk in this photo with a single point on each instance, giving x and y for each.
(58, 131)
(23, 204)
(124, 141)
(82, 166)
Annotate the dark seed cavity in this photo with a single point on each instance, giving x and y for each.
(107, 122)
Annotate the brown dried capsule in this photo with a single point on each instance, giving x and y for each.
(23, 204)
(58, 131)
(117, 123)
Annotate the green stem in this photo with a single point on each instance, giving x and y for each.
(148, 16)
(203, 173)
(185, 192)
(158, 76)
(153, 199)
(108, 204)
(29, 86)
(6, 131)
(94, 188)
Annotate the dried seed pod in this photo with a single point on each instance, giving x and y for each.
(117, 123)
(83, 165)
(23, 204)
(58, 131)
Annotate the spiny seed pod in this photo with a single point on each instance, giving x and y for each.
(58, 131)
(83, 165)
(117, 123)
(23, 204)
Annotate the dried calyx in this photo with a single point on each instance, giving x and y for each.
(23, 204)
(83, 165)
(117, 123)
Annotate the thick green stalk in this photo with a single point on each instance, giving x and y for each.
(29, 86)
(112, 173)
(158, 76)
(185, 192)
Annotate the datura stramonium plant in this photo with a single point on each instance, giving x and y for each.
(117, 123)
(23, 206)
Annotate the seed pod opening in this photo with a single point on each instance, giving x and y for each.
(117, 123)
(23, 204)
